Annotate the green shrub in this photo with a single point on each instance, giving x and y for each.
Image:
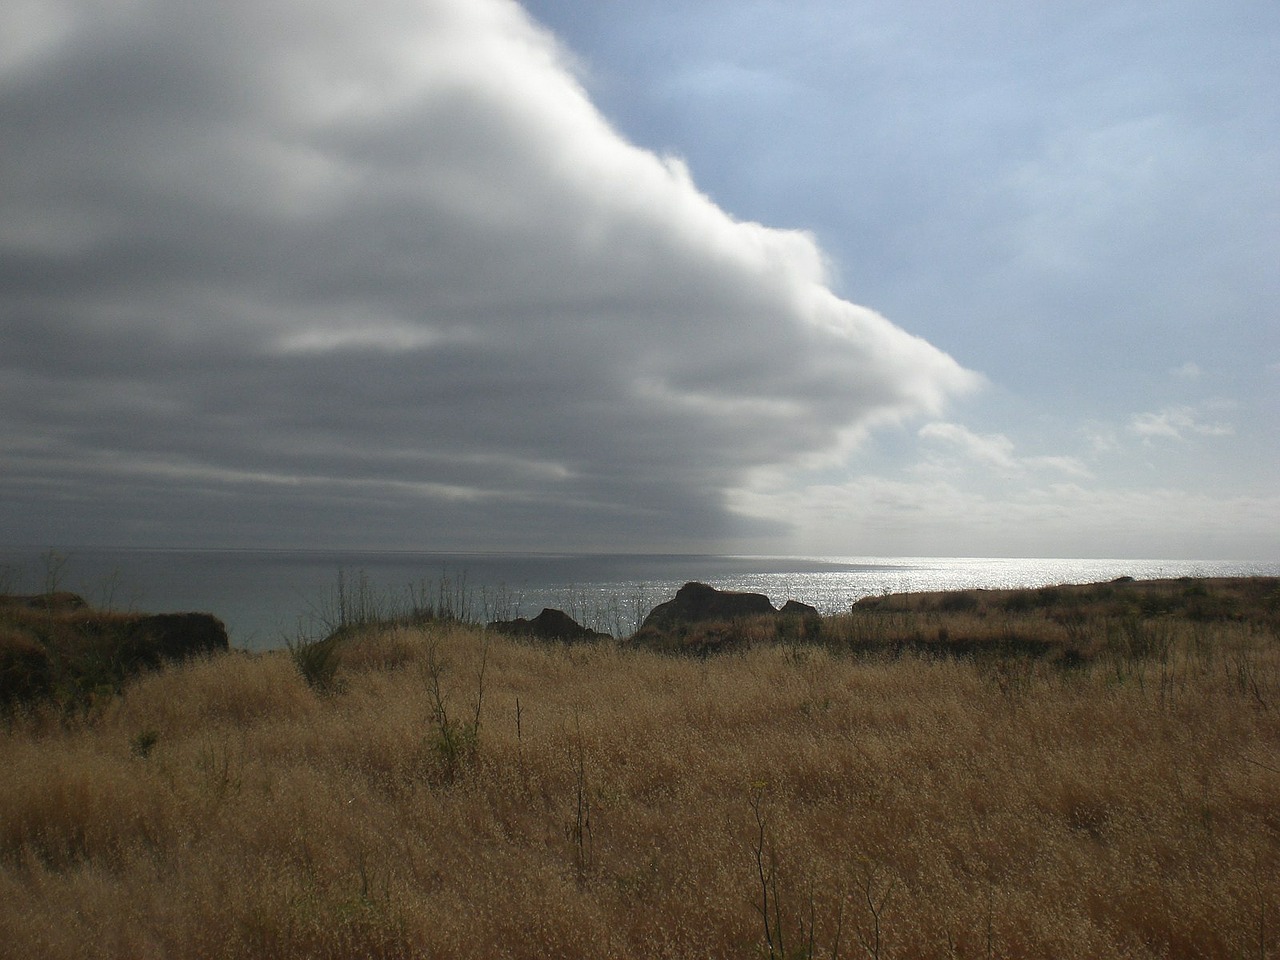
(317, 660)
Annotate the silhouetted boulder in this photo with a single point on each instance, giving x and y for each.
(699, 603)
(702, 620)
(799, 621)
(155, 639)
(548, 625)
(794, 608)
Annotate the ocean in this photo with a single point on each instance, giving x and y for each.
(268, 597)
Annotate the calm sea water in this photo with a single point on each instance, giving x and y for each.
(266, 597)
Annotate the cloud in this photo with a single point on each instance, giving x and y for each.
(1100, 438)
(1177, 423)
(938, 516)
(383, 271)
(993, 450)
(1187, 371)
(996, 451)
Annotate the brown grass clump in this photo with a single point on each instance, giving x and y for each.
(462, 795)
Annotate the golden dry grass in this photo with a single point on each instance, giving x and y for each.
(622, 803)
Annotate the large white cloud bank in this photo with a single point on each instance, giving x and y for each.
(381, 271)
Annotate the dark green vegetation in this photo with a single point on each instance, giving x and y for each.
(53, 646)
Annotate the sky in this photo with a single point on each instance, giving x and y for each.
(821, 277)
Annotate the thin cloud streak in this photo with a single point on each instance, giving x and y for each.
(1177, 423)
(997, 452)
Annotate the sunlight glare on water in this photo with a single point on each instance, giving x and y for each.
(266, 597)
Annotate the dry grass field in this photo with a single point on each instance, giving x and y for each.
(928, 777)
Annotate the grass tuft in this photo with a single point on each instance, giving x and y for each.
(318, 660)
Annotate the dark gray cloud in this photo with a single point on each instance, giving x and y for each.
(380, 274)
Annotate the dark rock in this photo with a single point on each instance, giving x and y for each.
(701, 620)
(794, 608)
(152, 640)
(699, 603)
(799, 621)
(548, 625)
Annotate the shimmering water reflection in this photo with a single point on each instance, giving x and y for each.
(267, 596)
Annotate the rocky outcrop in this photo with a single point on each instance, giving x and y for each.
(701, 619)
(55, 645)
(555, 625)
(699, 603)
(157, 638)
(794, 608)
